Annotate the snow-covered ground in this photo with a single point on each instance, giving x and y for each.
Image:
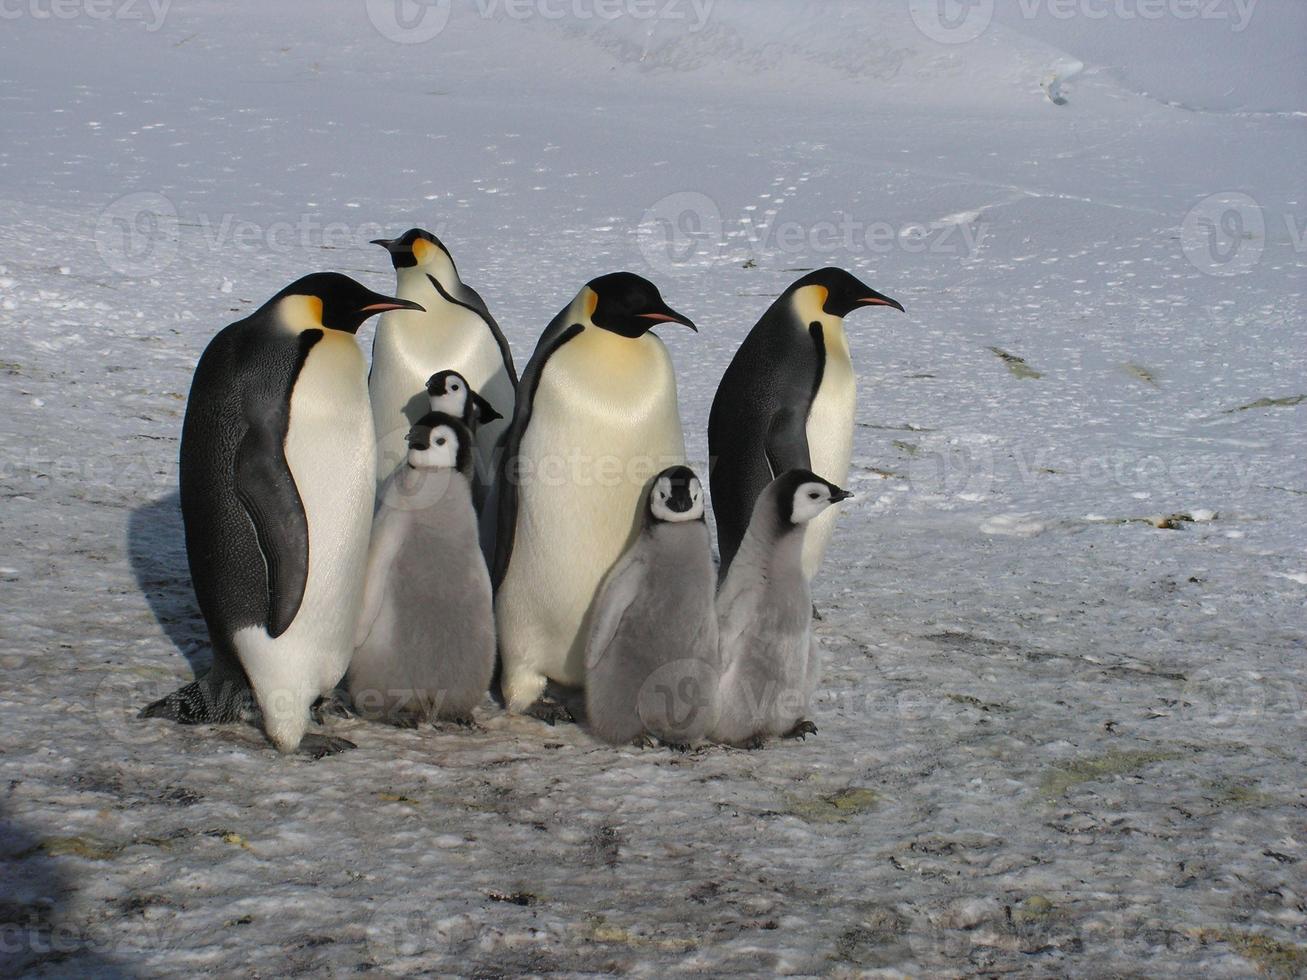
(1055, 739)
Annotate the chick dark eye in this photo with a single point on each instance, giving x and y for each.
(440, 442)
(814, 496)
(453, 388)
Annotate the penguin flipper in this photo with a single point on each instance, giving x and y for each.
(787, 442)
(267, 491)
(506, 489)
(483, 411)
(622, 587)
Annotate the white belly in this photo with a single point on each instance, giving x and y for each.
(330, 450)
(410, 348)
(604, 422)
(830, 438)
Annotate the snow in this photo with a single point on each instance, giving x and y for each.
(1055, 737)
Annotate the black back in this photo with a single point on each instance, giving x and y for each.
(236, 486)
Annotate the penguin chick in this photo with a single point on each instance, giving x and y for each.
(651, 654)
(425, 646)
(449, 392)
(764, 616)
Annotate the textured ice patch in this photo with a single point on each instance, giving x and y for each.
(1014, 525)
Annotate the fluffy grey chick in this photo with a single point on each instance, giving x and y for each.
(651, 653)
(425, 646)
(764, 613)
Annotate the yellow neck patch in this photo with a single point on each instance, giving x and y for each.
(422, 250)
(300, 313)
(810, 304)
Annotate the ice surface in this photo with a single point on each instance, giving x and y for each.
(1061, 730)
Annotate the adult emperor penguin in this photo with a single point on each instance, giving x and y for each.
(425, 646)
(455, 331)
(787, 401)
(769, 657)
(596, 419)
(651, 668)
(277, 463)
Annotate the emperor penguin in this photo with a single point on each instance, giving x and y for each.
(770, 664)
(596, 419)
(787, 401)
(454, 331)
(425, 645)
(651, 667)
(277, 462)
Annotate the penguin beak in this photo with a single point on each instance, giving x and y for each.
(876, 299)
(386, 303)
(383, 242)
(669, 315)
(839, 495)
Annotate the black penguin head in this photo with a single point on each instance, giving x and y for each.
(440, 441)
(800, 495)
(338, 302)
(844, 292)
(676, 496)
(450, 393)
(629, 305)
(414, 247)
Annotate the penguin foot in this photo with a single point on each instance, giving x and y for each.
(321, 746)
(753, 743)
(197, 704)
(550, 710)
(801, 730)
(644, 741)
(467, 724)
(335, 705)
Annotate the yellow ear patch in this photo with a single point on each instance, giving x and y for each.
(315, 308)
(591, 302)
(810, 303)
(422, 250)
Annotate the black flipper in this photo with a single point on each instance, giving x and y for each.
(267, 491)
(787, 442)
(554, 337)
(471, 300)
(482, 411)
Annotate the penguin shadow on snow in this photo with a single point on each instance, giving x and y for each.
(156, 548)
(37, 935)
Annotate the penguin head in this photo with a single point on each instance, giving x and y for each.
(450, 393)
(333, 301)
(417, 249)
(630, 305)
(844, 292)
(676, 496)
(801, 495)
(439, 441)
